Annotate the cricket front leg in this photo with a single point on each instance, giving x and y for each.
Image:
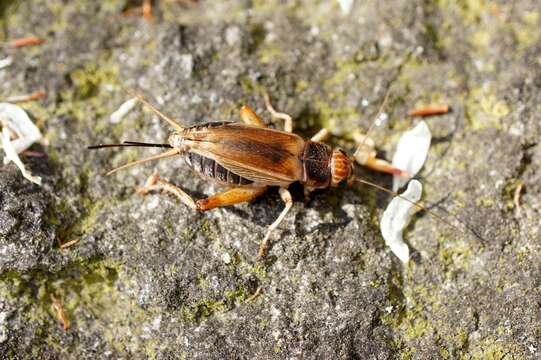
(288, 200)
(155, 183)
(248, 115)
(365, 155)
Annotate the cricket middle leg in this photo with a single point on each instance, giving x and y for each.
(248, 115)
(288, 201)
(288, 121)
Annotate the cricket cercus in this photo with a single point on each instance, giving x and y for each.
(249, 157)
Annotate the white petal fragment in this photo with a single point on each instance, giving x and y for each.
(411, 153)
(11, 154)
(5, 62)
(396, 218)
(16, 119)
(345, 6)
(123, 110)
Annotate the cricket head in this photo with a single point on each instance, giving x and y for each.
(341, 166)
(176, 140)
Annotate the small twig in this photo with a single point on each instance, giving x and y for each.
(137, 11)
(31, 153)
(516, 198)
(29, 97)
(25, 41)
(60, 312)
(254, 295)
(67, 244)
(183, 2)
(430, 110)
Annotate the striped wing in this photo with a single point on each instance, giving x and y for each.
(265, 156)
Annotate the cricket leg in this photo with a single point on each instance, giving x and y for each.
(288, 121)
(230, 197)
(248, 115)
(154, 183)
(365, 155)
(321, 135)
(288, 201)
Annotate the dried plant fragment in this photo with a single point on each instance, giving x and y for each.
(57, 305)
(31, 97)
(430, 110)
(67, 244)
(26, 41)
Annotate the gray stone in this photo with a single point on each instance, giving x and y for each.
(151, 279)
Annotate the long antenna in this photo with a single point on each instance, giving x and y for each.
(371, 127)
(171, 122)
(419, 206)
(128, 143)
(169, 153)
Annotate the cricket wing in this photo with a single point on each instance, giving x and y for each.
(266, 156)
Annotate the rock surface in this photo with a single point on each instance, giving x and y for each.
(151, 279)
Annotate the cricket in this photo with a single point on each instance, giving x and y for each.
(247, 158)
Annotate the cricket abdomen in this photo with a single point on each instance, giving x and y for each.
(212, 169)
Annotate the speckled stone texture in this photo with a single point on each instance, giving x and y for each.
(151, 279)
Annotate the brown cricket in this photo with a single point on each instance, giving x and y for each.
(249, 157)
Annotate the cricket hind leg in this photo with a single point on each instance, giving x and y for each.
(248, 115)
(229, 197)
(288, 201)
(288, 120)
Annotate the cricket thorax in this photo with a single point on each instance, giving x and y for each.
(212, 169)
(316, 159)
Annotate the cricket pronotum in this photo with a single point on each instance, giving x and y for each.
(249, 157)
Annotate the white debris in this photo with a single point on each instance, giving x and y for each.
(411, 153)
(3, 326)
(396, 218)
(5, 62)
(345, 6)
(123, 110)
(17, 120)
(11, 155)
(226, 258)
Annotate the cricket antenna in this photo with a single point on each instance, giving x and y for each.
(168, 153)
(421, 207)
(171, 122)
(373, 124)
(128, 143)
